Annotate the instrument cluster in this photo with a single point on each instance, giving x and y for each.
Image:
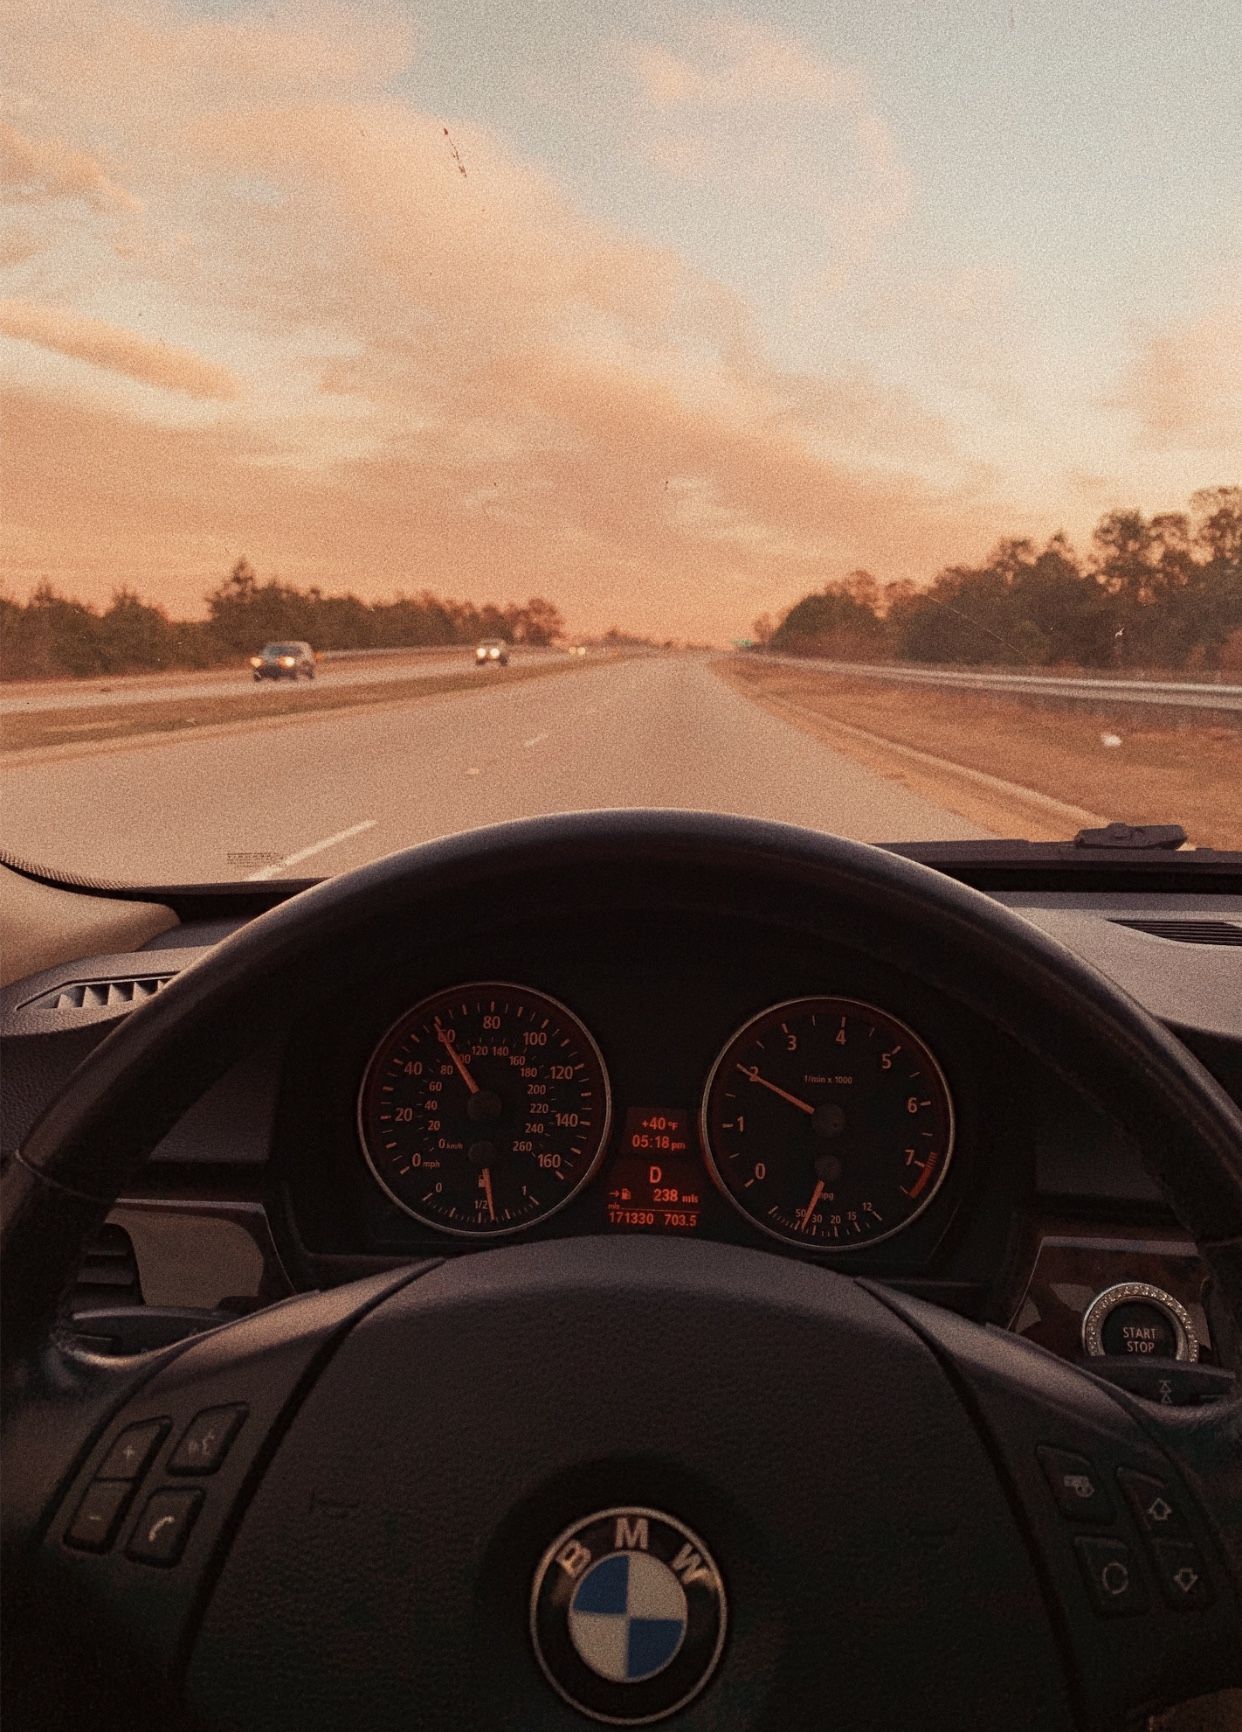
(824, 1121)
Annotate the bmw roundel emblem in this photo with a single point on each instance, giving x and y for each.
(627, 1615)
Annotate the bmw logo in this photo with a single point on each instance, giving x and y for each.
(627, 1615)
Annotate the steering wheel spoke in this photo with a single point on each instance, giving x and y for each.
(1132, 1544)
(131, 1536)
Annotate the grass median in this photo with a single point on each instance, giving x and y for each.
(250, 706)
(1163, 767)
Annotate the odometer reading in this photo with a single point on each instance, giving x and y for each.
(828, 1123)
(484, 1109)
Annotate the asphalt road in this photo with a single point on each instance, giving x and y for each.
(308, 798)
(233, 682)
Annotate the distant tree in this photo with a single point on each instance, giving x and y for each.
(1216, 585)
(1065, 604)
(134, 635)
(537, 622)
(54, 635)
(840, 621)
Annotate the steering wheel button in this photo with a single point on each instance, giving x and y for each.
(206, 1440)
(98, 1516)
(1111, 1574)
(164, 1526)
(1183, 1575)
(131, 1454)
(1076, 1485)
(1156, 1506)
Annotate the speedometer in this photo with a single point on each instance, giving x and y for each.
(828, 1123)
(484, 1109)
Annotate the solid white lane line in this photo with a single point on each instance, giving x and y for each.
(534, 739)
(315, 848)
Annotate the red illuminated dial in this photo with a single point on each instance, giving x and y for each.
(828, 1123)
(484, 1109)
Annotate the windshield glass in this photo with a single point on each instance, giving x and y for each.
(832, 412)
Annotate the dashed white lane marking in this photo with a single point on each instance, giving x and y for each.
(534, 739)
(315, 848)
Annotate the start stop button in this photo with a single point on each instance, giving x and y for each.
(1137, 1320)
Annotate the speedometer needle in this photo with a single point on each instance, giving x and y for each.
(752, 1071)
(443, 1037)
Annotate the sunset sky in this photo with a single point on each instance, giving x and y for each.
(669, 314)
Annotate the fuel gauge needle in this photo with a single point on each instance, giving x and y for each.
(486, 1176)
(458, 1060)
(816, 1194)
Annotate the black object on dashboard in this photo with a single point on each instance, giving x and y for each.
(1170, 836)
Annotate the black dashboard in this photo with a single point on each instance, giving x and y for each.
(661, 1000)
(708, 1058)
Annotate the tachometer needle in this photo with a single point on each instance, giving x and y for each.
(816, 1194)
(752, 1071)
(458, 1060)
(486, 1176)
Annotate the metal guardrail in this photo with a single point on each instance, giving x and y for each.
(1167, 694)
(428, 649)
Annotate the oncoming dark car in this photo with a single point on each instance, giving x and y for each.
(492, 650)
(284, 661)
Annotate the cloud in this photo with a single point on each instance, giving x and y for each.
(33, 171)
(116, 350)
(757, 112)
(18, 244)
(735, 64)
(464, 382)
(1183, 383)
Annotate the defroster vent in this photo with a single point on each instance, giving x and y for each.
(1189, 931)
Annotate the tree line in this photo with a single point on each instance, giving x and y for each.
(52, 634)
(1162, 592)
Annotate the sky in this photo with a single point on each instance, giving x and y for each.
(668, 314)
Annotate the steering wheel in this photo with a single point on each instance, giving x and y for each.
(624, 1479)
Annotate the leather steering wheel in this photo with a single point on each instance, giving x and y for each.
(875, 1479)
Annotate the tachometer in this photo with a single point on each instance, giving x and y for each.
(484, 1109)
(828, 1123)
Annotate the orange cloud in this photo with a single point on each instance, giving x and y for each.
(1184, 383)
(456, 381)
(34, 170)
(18, 244)
(116, 350)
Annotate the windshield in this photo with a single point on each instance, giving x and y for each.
(832, 412)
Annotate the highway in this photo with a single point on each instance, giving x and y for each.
(32, 697)
(305, 798)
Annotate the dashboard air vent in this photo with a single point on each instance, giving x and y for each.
(108, 1273)
(1189, 931)
(101, 994)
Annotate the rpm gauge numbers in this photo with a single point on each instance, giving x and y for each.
(484, 1109)
(828, 1123)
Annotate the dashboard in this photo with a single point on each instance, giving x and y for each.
(658, 1077)
(557, 1075)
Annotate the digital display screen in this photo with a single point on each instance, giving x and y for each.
(656, 1180)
